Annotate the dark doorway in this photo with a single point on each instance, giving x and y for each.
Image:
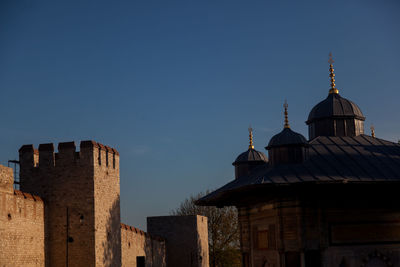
(141, 261)
(292, 259)
(313, 258)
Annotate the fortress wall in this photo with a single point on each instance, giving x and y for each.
(6, 179)
(107, 207)
(186, 239)
(21, 226)
(136, 243)
(81, 192)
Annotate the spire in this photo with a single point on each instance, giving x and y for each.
(333, 89)
(251, 146)
(286, 125)
(372, 131)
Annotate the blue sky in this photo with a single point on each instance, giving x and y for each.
(173, 85)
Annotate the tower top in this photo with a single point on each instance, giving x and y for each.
(251, 146)
(285, 106)
(333, 89)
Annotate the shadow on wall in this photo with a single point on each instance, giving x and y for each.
(154, 249)
(148, 251)
(112, 244)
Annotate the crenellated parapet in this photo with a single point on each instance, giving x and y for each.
(80, 185)
(91, 153)
(141, 232)
(138, 247)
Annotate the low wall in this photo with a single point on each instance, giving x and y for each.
(136, 243)
(21, 225)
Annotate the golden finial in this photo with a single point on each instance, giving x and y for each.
(251, 146)
(333, 89)
(372, 131)
(286, 125)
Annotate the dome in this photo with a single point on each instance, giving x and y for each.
(251, 155)
(286, 137)
(335, 106)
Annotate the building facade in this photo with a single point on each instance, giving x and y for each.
(331, 200)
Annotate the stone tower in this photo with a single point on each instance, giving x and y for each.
(81, 191)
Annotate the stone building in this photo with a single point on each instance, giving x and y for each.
(67, 214)
(331, 200)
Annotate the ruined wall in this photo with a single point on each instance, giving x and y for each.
(81, 192)
(21, 225)
(136, 243)
(186, 239)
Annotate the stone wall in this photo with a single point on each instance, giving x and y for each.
(21, 225)
(106, 206)
(81, 191)
(68, 214)
(136, 243)
(186, 239)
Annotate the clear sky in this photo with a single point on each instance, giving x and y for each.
(174, 85)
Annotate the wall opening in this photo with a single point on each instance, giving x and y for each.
(99, 158)
(140, 261)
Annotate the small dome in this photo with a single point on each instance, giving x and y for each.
(286, 137)
(251, 155)
(335, 106)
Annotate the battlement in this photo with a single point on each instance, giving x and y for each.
(28, 196)
(91, 153)
(140, 232)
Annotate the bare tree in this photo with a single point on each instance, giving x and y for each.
(223, 231)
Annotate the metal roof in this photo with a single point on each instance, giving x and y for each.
(250, 155)
(287, 137)
(335, 106)
(357, 159)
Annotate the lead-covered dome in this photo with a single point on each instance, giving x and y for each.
(251, 155)
(286, 137)
(335, 106)
(249, 160)
(335, 116)
(287, 147)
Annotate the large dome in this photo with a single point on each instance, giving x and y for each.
(286, 137)
(335, 106)
(251, 155)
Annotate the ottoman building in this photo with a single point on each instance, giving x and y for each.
(331, 201)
